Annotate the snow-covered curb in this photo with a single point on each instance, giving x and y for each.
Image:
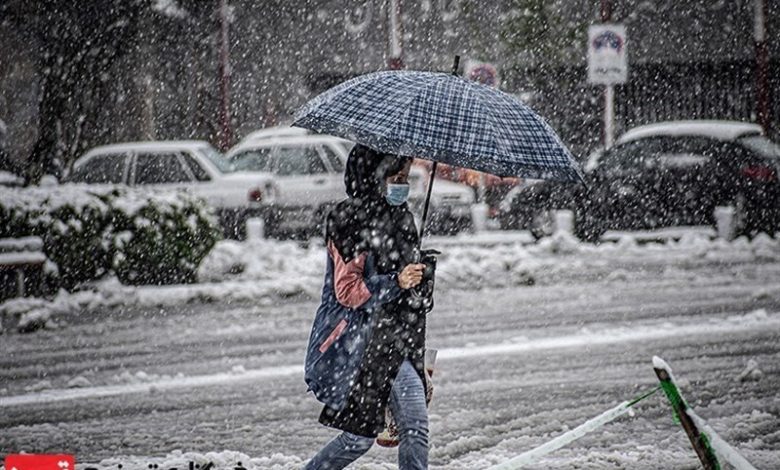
(501, 261)
(266, 270)
(32, 313)
(35, 313)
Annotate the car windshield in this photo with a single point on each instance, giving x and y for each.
(101, 169)
(254, 160)
(283, 161)
(762, 146)
(658, 152)
(223, 164)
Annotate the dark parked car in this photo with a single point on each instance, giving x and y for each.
(663, 175)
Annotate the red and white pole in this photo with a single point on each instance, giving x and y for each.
(762, 63)
(609, 90)
(395, 59)
(226, 134)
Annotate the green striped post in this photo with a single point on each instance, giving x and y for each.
(699, 440)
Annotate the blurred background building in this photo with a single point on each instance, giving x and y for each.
(75, 75)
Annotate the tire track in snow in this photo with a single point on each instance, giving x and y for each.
(735, 324)
(84, 348)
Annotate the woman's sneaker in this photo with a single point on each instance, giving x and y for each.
(388, 437)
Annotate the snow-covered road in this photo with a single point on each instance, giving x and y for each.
(518, 365)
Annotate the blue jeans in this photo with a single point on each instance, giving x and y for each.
(407, 402)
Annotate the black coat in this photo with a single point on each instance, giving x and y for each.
(366, 223)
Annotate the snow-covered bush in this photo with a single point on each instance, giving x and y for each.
(71, 223)
(88, 232)
(161, 239)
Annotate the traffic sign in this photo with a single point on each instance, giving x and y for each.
(607, 63)
(482, 72)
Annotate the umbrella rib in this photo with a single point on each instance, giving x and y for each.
(393, 134)
(541, 122)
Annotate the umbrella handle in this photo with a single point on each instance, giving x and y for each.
(427, 202)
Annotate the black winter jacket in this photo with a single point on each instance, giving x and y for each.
(366, 225)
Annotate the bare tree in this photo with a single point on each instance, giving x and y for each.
(80, 41)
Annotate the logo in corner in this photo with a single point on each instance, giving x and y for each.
(40, 462)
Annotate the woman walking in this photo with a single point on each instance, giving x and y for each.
(367, 345)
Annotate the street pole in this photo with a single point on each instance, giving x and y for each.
(609, 91)
(609, 116)
(762, 63)
(395, 60)
(225, 135)
(606, 11)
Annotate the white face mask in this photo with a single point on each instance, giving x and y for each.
(397, 193)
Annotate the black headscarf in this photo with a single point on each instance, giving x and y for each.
(354, 222)
(366, 172)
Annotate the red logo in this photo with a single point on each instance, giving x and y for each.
(40, 462)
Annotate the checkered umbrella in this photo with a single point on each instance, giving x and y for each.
(444, 118)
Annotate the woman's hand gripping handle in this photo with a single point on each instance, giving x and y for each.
(410, 276)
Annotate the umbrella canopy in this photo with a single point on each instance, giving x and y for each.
(444, 118)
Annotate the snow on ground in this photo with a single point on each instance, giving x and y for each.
(484, 260)
(205, 373)
(141, 382)
(10, 179)
(266, 270)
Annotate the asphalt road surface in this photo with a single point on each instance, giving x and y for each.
(518, 366)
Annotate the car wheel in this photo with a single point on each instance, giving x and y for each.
(588, 229)
(456, 225)
(232, 224)
(542, 224)
(272, 225)
(511, 221)
(466, 224)
(506, 222)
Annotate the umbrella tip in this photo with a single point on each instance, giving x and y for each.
(455, 65)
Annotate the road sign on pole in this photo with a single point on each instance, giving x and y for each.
(607, 64)
(225, 134)
(395, 59)
(482, 72)
(762, 63)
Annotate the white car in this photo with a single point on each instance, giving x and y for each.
(190, 165)
(309, 176)
(276, 131)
